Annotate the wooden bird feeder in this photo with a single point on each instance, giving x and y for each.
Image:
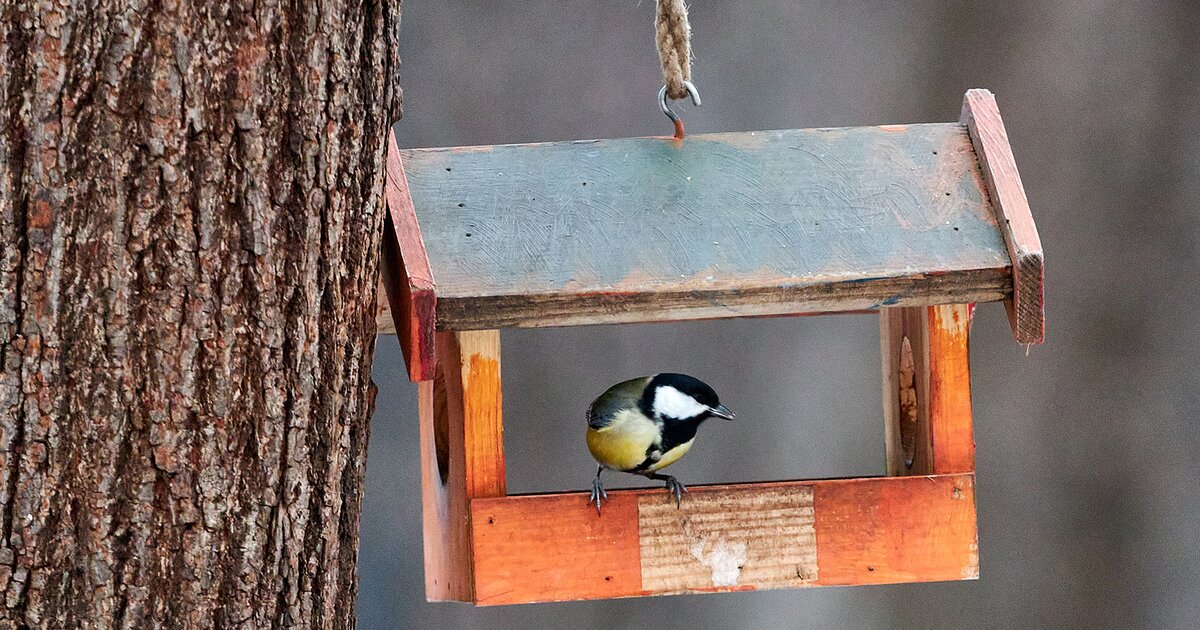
(914, 222)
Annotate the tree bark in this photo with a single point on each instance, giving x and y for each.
(190, 218)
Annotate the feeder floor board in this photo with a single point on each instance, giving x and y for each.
(838, 532)
(716, 225)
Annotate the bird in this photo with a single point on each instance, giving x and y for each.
(645, 424)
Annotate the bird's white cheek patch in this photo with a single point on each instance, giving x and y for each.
(673, 403)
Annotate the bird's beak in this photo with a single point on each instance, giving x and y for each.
(721, 411)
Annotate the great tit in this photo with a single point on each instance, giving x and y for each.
(645, 424)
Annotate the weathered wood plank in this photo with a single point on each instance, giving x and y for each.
(720, 225)
(383, 319)
(951, 421)
(896, 529)
(927, 389)
(406, 273)
(462, 455)
(842, 296)
(1026, 309)
(555, 547)
(720, 539)
(482, 410)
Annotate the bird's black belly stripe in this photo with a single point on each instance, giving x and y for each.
(674, 433)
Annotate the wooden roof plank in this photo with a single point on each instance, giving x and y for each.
(718, 225)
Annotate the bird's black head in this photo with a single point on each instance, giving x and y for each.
(681, 397)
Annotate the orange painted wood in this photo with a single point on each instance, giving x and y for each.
(1026, 309)
(555, 547)
(927, 389)
(540, 548)
(897, 529)
(406, 273)
(478, 353)
(462, 455)
(951, 423)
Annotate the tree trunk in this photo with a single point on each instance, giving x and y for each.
(190, 218)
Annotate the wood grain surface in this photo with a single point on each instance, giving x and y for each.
(1026, 309)
(896, 529)
(728, 538)
(720, 225)
(405, 273)
(462, 455)
(927, 389)
(538, 548)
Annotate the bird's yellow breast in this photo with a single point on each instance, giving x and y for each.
(671, 456)
(622, 445)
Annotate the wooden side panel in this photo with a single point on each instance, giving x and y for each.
(462, 455)
(716, 225)
(443, 499)
(406, 273)
(1026, 309)
(383, 320)
(539, 548)
(920, 529)
(927, 389)
(902, 334)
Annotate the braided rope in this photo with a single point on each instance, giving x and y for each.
(673, 35)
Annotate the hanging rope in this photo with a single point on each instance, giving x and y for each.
(674, 46)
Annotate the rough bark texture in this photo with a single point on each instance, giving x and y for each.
(190, 211)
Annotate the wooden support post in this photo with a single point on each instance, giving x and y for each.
(927, 389)
(462, 455)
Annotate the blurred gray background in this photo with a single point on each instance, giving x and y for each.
(1088, 447)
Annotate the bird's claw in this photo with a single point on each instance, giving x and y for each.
(676, 488)
(598, 494)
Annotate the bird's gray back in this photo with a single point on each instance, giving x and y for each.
(624, 395)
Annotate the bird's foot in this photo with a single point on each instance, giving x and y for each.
(676, 488)
(598, 494)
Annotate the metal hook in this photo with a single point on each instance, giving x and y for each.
(662, 101)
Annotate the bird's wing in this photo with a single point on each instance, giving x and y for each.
(624, 395)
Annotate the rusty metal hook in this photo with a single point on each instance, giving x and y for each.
(662, 104)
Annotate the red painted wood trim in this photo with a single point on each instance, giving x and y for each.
(1026, 310)
(407, 274)
(876, 530)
